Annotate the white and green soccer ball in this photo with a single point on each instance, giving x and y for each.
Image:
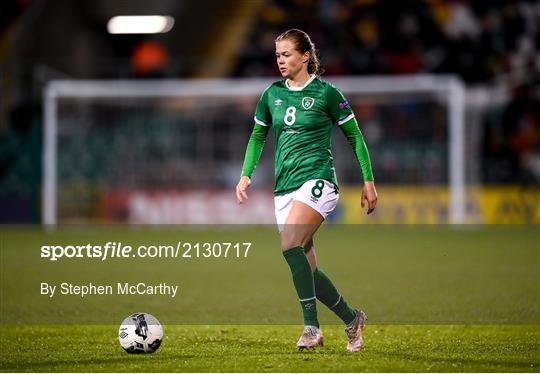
(140, 333)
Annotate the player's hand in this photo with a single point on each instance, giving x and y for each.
(241, 189)
(369, 196)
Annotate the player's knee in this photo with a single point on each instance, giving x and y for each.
(290, 241)
(288, 244)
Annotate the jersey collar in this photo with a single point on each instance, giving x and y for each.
(313, 76)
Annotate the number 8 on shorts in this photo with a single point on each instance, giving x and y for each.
(317, 189)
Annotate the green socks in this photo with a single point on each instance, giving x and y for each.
(304, 283)
(307, 282)
(329, 296)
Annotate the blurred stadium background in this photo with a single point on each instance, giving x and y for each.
(145, 132)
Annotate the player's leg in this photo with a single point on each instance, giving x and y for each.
(309, 250)
(327, 293)
(299, 215)
(300, 225)
(325, 290)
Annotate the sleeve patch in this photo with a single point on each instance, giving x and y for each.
(344, 104)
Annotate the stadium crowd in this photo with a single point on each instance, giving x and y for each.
(488, 43)
(481, 41)
(491, 44)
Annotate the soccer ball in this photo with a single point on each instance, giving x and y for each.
(140, 333)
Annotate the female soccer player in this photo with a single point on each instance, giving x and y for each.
(302, 109)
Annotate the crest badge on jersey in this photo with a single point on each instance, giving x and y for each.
(307, 102)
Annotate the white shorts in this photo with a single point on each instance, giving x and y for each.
(319, 194)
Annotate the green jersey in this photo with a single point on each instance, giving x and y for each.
(302, 119)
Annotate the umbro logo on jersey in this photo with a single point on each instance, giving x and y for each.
(278, 102)
(307, 102)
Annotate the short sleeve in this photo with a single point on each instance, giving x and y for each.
(262, 113)
(338, 106)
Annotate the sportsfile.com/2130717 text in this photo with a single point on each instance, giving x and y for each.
(119, 250)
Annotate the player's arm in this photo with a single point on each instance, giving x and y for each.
(354, 136)
(263, 120)
(341, 112)
(253, 154)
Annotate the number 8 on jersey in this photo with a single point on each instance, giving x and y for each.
(290, 116)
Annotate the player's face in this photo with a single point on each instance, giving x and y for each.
(290, 62)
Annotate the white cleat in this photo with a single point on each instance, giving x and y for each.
(354, 331)
(311, 338)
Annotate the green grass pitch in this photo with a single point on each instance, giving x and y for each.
(271, 349)
(437, 298)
